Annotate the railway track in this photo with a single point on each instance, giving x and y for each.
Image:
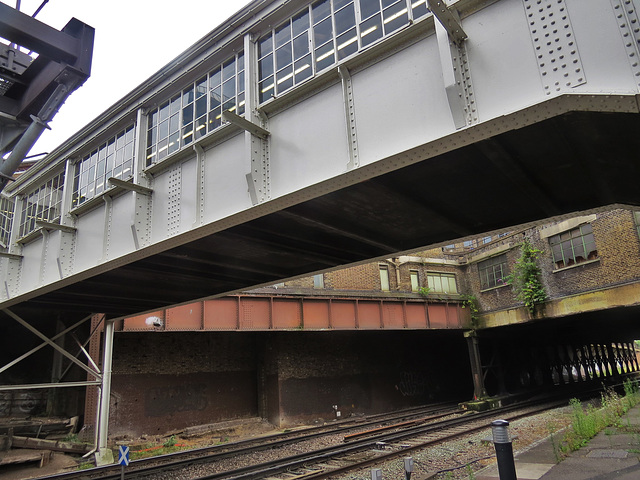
(340, 459)
(149, 467)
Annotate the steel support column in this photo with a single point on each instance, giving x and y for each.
(479, 390)
(104, 455)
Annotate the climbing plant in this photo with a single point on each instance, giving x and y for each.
(471, 302)
(525, 278)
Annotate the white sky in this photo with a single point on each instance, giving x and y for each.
(133, 40)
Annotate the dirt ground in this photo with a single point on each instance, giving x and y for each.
(194, 437)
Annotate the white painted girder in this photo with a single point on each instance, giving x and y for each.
(397, 100)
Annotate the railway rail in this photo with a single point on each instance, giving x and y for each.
(151, 466)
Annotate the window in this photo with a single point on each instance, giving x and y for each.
(197, 110)
(42, 204)
(573, 246)
(492, 271)
(114, 158)
(384, 278)
(324, 33)
(318, 281)
(442, 282)
(6, 220)
(415, 283)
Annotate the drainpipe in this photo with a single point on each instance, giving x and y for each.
(104, 455)
(396, 264)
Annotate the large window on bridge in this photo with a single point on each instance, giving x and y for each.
(7, 206)
(574, 246)
(44, 204)
(324, 33)
(197, 110)
(492, 271)
(442, 282)
(114, 158)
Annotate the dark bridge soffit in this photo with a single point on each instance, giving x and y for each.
(564, 156)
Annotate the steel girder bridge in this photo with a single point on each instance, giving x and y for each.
(297, 138)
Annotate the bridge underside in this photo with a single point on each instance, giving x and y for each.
(574, 162)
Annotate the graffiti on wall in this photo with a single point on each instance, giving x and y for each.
(174, 399)
(21, 403)
(412, 384)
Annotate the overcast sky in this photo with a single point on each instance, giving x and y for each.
(134, 39)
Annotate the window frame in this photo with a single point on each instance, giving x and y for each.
(572, 242)
(384, 278)
(330, 39)
(490, 266)
(51, 202)
(195, 110)
(114, 157)
(440, 275)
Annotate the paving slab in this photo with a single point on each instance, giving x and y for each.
(612, 454)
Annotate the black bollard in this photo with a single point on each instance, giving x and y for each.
(504, 450)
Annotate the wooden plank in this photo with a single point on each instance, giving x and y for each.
(57, 446)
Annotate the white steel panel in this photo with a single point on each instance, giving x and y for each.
(188, 197)
(502, 60)
(604, 58)
(50, 272)
(401, 102)
(89, 238)
(120, 233)
(308, 142)
(31, 261)
(225, 169)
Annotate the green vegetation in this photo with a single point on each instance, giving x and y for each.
(525, 278)
(471, 302)
(587, 422)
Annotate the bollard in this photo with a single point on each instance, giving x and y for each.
(504, 450)
(376, 474)
(408, 467)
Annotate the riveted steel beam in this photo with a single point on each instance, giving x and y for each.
(449, 20)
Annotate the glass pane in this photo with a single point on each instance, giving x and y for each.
(283, 34)
(174, 142)
(284, 79)
(174, 123)
(164, 112)
(419, 8)
(283, 56)
(322, 32)
(371, 30)
(241, 104)
(187, 134)
(163, 130)
(215, 119)
(201, 106)
(301, 45)
(229, 95)
(215, 78)
(201, 87)
(187, 114)
(320, 10)
(324, 56)
(300, 23)
(347, 44)
(369, 7)
(265, 89)
(265, 45)
(265, 67)
(215, 98)
(345, 19)
(201, 127)
(229, 69)
(337, 4)
(175, 105)
(303, 69)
